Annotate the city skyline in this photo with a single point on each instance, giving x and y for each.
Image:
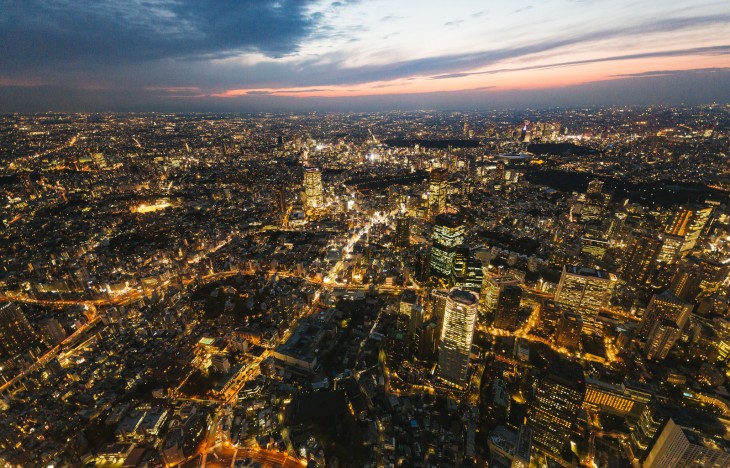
(347, 55)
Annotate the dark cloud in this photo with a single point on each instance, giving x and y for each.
(38, 34)
(673, 72)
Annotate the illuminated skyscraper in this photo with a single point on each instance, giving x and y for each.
(402, 231)
(662, 337)
(312, 195)
(640, 259)
(568, 331)
(664, 306)
(559, 396)
(689, 223)
(16, 334)
(437, 304)
(650, 421)
(51, 331)
(457, 333)
(438, 189)
(686, 281)
(508, 307)
(466, 270)
(493, 285)
(671, 248)
(595, 186)
(676, 446)
(586, 291)
(448, 234)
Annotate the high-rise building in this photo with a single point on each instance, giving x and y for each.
(678, 224)
(662, 337)
(437, 304)
(457, 333)
(594, 245)
(676, 446)
(661, 307)
(493, 285)
(312, 196)
(671, 248)
(438, 189)
(613, 226)
(619, 399)
(595, 186)
(466, 270)
(410, 314)
(689, 223)
(714, 275)
(686, 281)
(508, 307)
(51, 331)
(402, 231)
(643, 432)
(568, 331)
(585, 291)
(16, 334)
(559, 395)
(640, 259)
(549, 316)
(425, 340)
(448, 234)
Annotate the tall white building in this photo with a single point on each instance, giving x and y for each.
(677, 446)
(457, 334)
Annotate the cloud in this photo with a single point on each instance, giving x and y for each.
(673, 72)
(716, 50)
(86, 33)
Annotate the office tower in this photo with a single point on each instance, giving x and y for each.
(613, 226)
(585, 291)
(402, 231)
(661, 339)
(508, 307)
(466, 271)
(568, 331)
(595, 186)
(51, 332)
(448, 234)
(16, 334)
(686, 281)
(549, 316)
(714, 274)
(457, 333)
(643, 432)
(640, 259)
(663, 306)
(670, 249)
(621, 399)
(594, 207)
(679, 447)
(312, 196)
(410, 314)
(594, 245)
(425, 341)
(437, 304)
(493, 285)
(438, 189)
(559, 395)
(700, 217)
(679, 222)
(689, 224)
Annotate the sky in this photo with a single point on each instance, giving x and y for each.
(296, 55)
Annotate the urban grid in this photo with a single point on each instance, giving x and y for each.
(364, 234)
